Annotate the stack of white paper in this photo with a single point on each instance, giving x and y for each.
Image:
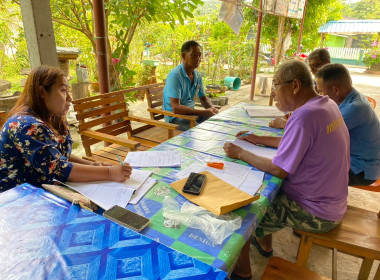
(258, 150)
(253, 182)
(263, 111)
(107, 194)
(154, 159)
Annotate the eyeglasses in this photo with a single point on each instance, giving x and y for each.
(275, 86)
(315, 66)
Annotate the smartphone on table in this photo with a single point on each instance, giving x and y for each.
(126, 218)
(194, 183)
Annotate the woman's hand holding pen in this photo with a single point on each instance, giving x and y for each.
(120, 172)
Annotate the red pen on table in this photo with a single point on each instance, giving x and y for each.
(217, 165)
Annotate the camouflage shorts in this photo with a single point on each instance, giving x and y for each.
(284, 212)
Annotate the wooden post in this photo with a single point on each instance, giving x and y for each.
(101, 45)
(80, 90)
(256, 57)
(323, 36)
(301, 29)
(39, 33)
(281, 28)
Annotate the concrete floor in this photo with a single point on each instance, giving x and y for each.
(285, 243)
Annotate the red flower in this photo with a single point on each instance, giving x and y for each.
(115, 60)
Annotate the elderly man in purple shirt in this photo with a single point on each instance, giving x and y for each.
(313, 159)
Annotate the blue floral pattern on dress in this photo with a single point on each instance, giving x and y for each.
(30, 152)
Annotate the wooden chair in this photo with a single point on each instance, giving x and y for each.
(280, 269)
(375, 187)
(372, 102)
(154, 96)
(3, 116)
(357, 235)
(105, 118)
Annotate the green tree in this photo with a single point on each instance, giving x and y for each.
(220, 47)
(318, 12)
(122, 19)
(13, 50)
(364, 9)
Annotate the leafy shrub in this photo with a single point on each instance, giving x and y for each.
(373, 56)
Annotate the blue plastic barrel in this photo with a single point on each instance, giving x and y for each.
(232, 82)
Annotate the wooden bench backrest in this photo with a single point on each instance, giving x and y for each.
(3, 116)
(103, 113)
(155, 97)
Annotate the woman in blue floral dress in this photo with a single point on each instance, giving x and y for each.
(35, 141)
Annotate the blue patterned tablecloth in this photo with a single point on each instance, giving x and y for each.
(45, 237)
(201, 144)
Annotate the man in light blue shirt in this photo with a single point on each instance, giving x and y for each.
(183, 84)
(363, 125)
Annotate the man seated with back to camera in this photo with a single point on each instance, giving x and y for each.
(315, 142)
(363, 125)
(316, 59)
(182, 85)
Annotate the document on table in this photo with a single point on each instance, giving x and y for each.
(253, 182)
(149, 183)
(137, 179)
(107, 194)
(263, 111)
(237, 175)
(258, 150)
(232, 173)
(154, 159)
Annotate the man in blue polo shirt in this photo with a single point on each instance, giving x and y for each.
(182, 84)
(363, 125)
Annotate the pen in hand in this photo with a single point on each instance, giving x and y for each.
(121, 162)
(245, 134)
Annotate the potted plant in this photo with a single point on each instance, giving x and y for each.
(216, 93)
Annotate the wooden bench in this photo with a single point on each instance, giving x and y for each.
(358, 235)
(280, 269)
(104, 117)
(154, 96)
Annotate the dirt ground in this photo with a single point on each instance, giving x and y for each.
(285, 243)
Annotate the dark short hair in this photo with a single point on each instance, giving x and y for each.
(333, 72)
(186, 47)
(321, 54)
(295, 69)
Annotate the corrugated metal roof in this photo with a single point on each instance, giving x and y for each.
(351, 26)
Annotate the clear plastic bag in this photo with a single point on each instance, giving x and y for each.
(215, 228)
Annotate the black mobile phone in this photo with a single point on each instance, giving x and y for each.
(194, 183)
(126, 218)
